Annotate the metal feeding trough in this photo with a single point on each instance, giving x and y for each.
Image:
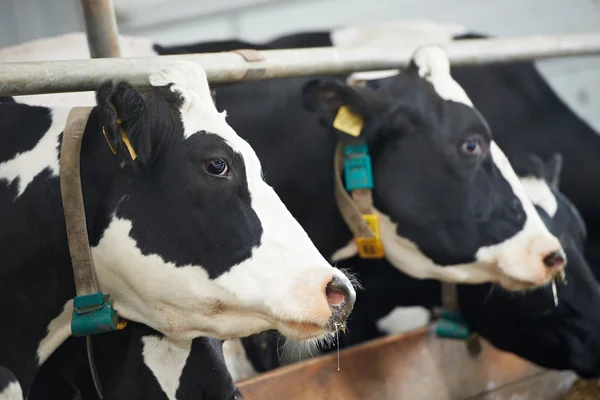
(412, 366)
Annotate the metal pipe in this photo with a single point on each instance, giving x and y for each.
(101, 28)
(227, 67)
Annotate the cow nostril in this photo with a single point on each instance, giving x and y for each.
(555, 259)
(335, 297)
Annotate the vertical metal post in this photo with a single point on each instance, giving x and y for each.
(101, 28)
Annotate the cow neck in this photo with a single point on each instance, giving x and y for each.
(360, 217)
(92, 311)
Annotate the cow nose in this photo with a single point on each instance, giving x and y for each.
(340, 297)
(556, 259)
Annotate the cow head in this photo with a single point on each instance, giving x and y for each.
(558, 336)
(195, 242)
(451, 206)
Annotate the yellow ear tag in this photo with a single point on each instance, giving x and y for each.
(348, 122)
(108, 141)
(125, 140)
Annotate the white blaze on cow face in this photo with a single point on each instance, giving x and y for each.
(282, 285)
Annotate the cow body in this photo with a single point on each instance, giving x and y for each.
(188, 281)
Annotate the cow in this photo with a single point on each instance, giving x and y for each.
(186, 236)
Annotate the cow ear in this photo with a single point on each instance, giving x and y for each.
(331, 97)
(553, 170)
(122, 110)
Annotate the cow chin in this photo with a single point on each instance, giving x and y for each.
(516, 285)
(300, 331)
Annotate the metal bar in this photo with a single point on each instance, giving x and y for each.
(101, 28)
(227, 67)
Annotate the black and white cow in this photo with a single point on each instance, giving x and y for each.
(187, 237)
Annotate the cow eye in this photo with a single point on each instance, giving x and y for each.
(217, 166)
(472, 147)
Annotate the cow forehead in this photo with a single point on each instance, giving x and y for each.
(198, 111)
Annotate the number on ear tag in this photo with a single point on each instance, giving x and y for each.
(348, 122)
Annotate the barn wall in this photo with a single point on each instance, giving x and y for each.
(178, 21)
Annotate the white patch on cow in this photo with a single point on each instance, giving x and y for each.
(236, 360)
(540, 194)
(59, 330)
(12, 392)
(27, 165)
(181, 301)
(434, 66)
(404, 319)
(406, 256)
(166, 359)
(198, 111)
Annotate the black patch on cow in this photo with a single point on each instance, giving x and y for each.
(216, 382)
(215, 225)
(24, 133)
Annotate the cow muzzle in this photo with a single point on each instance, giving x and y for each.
(341, 298)
(329, 316)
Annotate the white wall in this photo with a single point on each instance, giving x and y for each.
(181, 21)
